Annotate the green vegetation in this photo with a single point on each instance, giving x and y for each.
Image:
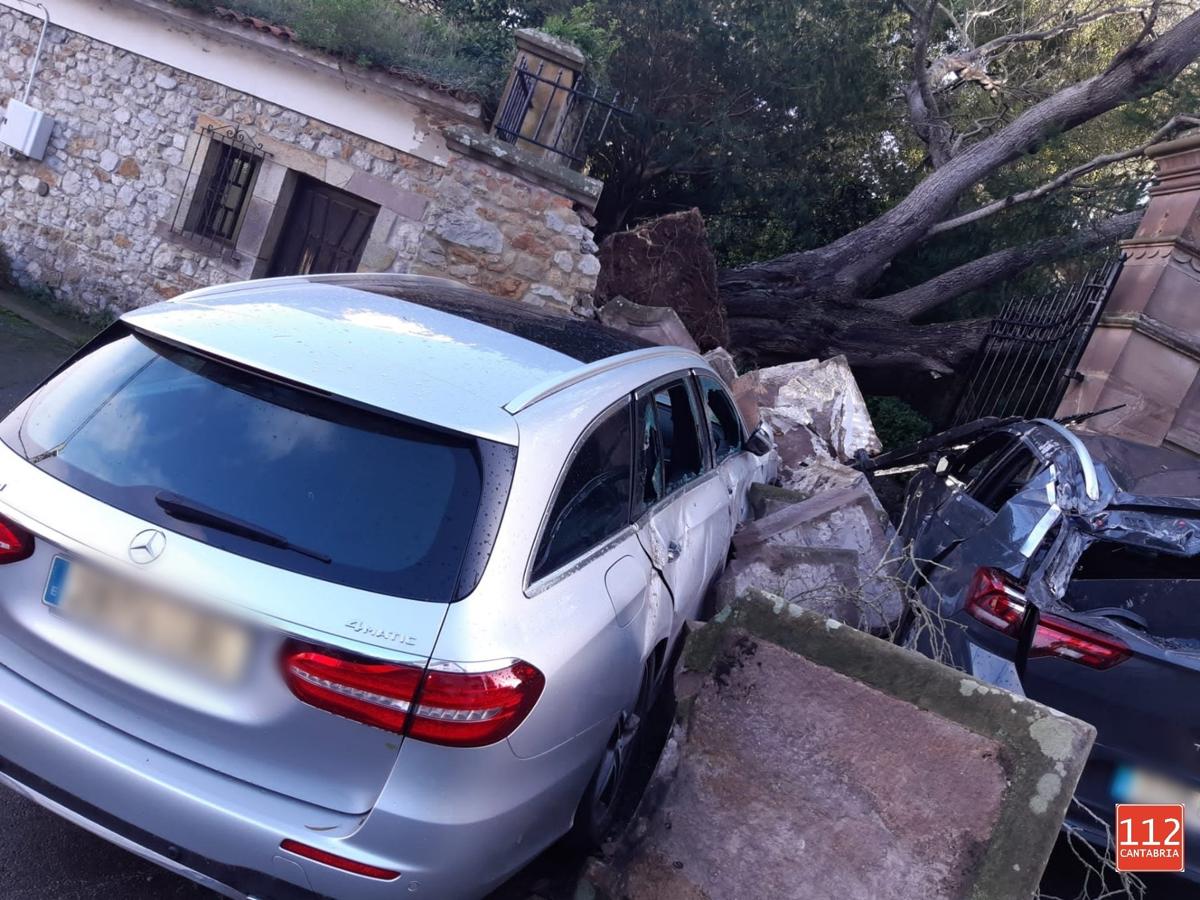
(385, 33)
(896, 423)
(466, 45)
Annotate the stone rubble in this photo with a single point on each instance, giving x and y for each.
(656, 324)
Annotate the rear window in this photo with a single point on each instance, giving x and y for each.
(374, 502)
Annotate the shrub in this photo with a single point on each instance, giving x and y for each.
(896, 423)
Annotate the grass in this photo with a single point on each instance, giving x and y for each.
(382, 33)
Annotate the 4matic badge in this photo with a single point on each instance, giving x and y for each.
(383, 634)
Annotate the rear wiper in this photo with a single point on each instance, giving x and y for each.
(186, 510)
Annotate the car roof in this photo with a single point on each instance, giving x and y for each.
(424, 348)
(1145, 470)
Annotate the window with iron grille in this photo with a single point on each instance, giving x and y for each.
(223, 188)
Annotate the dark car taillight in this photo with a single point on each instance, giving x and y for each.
(999, 604)
(16, 543)
(456, 709)
(995, 602)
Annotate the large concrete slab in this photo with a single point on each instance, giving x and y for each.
(812, 760)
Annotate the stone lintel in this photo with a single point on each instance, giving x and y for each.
(532, 167)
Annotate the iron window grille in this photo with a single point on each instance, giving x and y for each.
(578, 123)
(229, 163)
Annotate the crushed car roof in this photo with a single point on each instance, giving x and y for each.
(1144, 470)
(438, 355)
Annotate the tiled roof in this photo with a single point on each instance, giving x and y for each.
(280, 31)
(283, 33)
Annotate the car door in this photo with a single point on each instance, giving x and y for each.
(736, 467)
(596, 608)
(987, 515)
(680, 500)
(942, 510)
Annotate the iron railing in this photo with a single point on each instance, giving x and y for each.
(567, 110)
(1032, 348)
(220, 188)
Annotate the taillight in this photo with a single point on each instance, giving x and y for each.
(338, 862)
(454, 708)
(1070, 640)
(995, 602)
(16, 543)
(1000, 605)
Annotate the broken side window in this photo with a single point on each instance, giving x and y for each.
(679, 434)
(724, 426)
(977, 459)
(998, 485)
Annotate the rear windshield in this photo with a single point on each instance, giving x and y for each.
(363, 499)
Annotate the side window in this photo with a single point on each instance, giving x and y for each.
(979, 457)
(1000, 484)
(724, 426)
(593, 499)
(671, 449)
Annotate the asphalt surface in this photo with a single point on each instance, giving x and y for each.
(43, 857)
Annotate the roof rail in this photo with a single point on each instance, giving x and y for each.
(384, 279)
(553, 385)
(358, 280)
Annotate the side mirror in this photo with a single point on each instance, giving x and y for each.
(760, 442)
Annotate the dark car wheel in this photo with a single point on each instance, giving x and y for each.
(607, 788)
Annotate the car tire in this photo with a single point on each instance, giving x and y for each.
(608, 786)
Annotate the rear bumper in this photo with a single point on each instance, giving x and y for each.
(454, 829)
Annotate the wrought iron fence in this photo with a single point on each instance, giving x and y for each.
(220, 178)
(569, 121)
(1032, 348)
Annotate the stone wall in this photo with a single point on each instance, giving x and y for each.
(92, 222)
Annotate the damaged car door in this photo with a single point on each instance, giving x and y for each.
(968, 510)
(679, 498)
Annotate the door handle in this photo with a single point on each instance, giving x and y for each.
(673, 551)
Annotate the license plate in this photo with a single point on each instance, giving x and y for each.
(1131, 785)
(145, 619)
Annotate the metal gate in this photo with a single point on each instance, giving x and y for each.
(1032, 348)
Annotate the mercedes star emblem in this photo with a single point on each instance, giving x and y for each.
(147, 546)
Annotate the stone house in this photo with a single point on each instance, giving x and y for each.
(190, 150)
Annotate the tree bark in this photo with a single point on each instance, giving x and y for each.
(774, 320)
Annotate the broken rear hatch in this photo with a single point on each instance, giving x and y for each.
(284, 515)
(1118, 639)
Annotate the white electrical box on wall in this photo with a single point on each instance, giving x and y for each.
(26, 130)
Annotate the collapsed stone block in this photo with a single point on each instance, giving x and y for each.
(833, 552)
(657, 324)
(812, 397)
(722, 361)
(812, 760)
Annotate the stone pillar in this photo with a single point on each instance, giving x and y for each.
(545, 105)
(1145, 352)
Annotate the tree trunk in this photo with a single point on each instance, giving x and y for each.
(779, 314)
(772, 323)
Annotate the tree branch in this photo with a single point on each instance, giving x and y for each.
(1105, 159)
(856, 259)
(923, 112)
(1074, 23)
(1004, 264)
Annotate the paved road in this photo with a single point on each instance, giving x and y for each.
(44, 858)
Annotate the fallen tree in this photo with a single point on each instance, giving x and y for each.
(825, 301)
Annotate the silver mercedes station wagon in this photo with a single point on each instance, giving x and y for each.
(353, 586)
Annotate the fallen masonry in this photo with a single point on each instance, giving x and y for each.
(812, 760)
